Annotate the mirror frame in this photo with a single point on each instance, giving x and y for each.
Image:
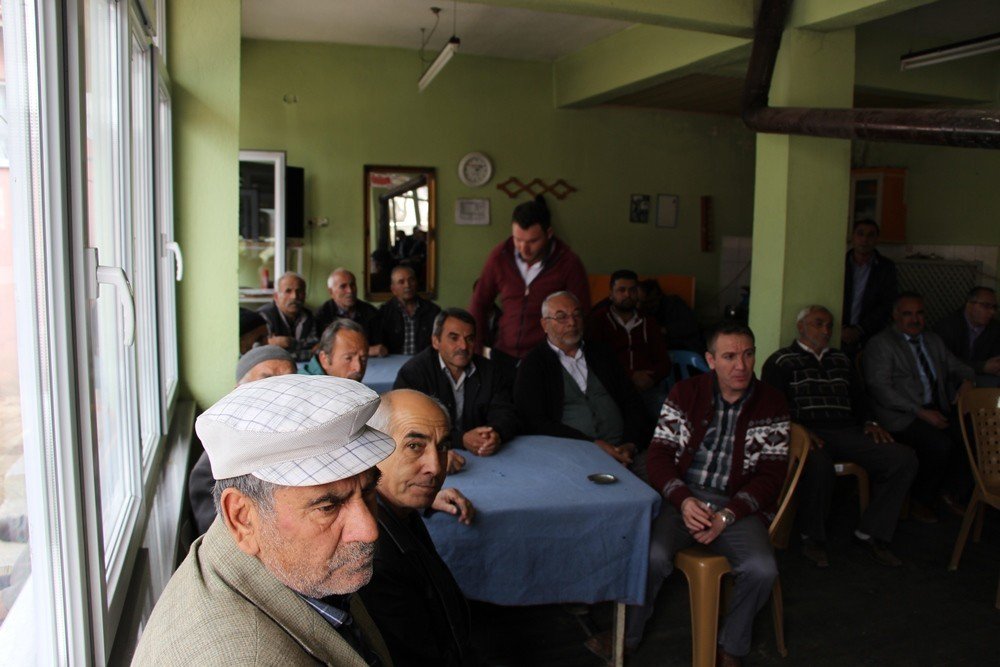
(431, 264)
(279, 161)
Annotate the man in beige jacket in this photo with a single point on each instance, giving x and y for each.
(271, 581)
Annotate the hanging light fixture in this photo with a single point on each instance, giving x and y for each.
(444, 56)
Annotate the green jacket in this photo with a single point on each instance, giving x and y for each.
(313, 367)
(223, 607)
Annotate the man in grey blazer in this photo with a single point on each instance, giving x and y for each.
(915, 381)
(271, 582)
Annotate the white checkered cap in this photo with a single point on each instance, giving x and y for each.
(294, 430)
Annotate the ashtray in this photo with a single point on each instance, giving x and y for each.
(602, 478)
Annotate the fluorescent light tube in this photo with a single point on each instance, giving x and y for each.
(442, 59)
(943, 54)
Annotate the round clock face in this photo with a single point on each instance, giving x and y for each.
(475, 169)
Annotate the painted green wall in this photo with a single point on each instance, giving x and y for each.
(952, 194)
(359, 105)
(204, 63)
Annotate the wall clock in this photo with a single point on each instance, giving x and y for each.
(475, 169)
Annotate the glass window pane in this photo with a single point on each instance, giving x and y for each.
(165, 227)
(108, 230)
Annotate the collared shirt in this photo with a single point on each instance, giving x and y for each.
(458, 389)
(575, 365)
(861, 273)
(636, 320)
(928, 382)
(974, 332)
(409, 329)
(713, 461)
(528, 271)
(819, 357)
(333, 609)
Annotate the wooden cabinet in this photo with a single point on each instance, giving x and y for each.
(879, 194)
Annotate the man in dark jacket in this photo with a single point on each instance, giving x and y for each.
(289, 323)
(412, 597)
(870, 287)
(344, 303)
(522, 271)
(476, 393)
(567, 389)
(405, 321)
(973, 335)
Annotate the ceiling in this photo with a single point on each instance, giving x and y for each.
(485, 30)
(523, 34)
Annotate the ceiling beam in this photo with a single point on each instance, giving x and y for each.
(723, 17)
(825, 15)
(637, 58)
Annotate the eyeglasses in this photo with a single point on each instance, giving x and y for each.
(562, 318)
(988, 305)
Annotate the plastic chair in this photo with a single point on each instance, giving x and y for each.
(853, 469)
(684, 362)
(981, 409)
(704, 569)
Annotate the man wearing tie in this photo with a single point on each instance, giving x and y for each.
(915, 382)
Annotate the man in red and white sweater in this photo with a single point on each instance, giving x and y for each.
(719, 456)
(523, 271)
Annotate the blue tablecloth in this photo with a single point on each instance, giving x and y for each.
(543, 532)
(382, 371)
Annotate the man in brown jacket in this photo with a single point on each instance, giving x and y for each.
(271, 581)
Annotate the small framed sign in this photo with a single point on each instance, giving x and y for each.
(472, 211)
(638, 209)
(666, 210)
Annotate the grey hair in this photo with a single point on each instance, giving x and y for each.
(339, 269)
(808, 310)
(402, 267)
(459, 314)
(254, 488)
(291, 274)
(545, 304)
(329, 336)
(382, 419)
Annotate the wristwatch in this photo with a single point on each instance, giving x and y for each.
(728, 518)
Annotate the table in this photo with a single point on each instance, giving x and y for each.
(381, 371)
(546, 534)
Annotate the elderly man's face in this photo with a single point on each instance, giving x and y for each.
(290, 296)
(269, 368)
(404, 284)
(456, 343)
(415, 471)
(320, 540)
(348, 358)
(344, 290)
(909, 316)
(815, 330)
(564, 324)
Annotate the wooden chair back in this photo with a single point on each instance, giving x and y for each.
(798, 451)
(980, 410)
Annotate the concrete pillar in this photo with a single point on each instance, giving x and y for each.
(801, 192)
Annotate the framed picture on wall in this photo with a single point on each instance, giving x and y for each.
(638, 209)
(472, 211)
(666, 210)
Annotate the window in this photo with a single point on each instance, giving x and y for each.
(87, 285)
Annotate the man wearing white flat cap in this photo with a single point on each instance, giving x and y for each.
(271, 581)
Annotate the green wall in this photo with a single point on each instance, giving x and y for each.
(204, 62)
(359, 105)
(952, 194)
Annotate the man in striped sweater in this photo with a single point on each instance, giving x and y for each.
(719, 456)
(827, 398)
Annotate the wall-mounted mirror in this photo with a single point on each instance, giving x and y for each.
(400, 215)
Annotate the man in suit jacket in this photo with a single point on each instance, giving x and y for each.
(914, 381)
(567, 389)
(344, 303)
(413, 597)
(405, 321)
(271, 581)
(973, 335)
(476, 393)
(870, 286)
(289, 323)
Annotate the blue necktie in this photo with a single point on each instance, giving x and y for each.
(925, 364)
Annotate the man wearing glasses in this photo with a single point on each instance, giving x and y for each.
(973, 335)
(570, 390)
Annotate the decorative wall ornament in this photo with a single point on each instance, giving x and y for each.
(514, 186)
